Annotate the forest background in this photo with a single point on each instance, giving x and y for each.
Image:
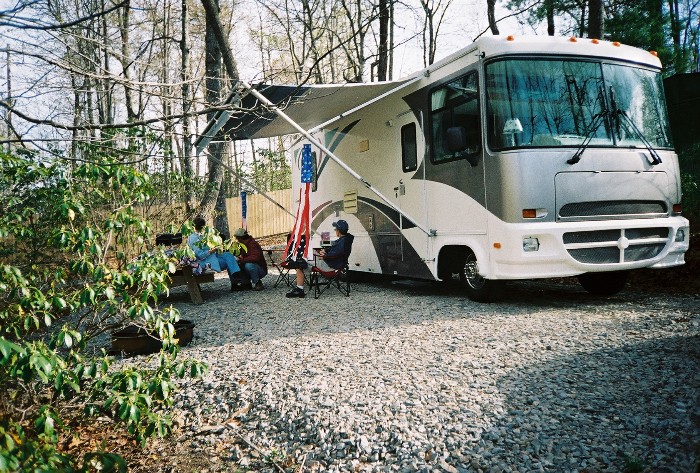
(101, 101)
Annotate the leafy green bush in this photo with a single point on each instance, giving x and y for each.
(68, 274)
(691, 196)
(689, 160)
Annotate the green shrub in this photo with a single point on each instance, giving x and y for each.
(689, 161)
(68, 238)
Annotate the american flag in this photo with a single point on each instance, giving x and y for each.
(302, 222)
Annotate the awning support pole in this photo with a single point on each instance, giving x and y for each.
(330, 154)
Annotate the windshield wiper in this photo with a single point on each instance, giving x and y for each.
(616, 113)
(597, 120)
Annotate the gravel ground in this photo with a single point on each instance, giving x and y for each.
(415, 377)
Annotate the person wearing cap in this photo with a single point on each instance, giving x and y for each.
(211, 258)
(332, 256)
(252, 262)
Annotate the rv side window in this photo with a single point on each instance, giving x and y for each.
(455, 119)
(409, 148)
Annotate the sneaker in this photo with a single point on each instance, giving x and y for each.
(258, 286)
(296, 292)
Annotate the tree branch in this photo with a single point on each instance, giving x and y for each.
(28, 26)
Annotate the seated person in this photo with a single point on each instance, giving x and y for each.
(211, 258)
(251, 261)
(332, 257)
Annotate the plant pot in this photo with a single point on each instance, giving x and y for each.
(134, 340)
(184, 331)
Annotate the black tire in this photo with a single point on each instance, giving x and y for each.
(604, 284)
(478, 288)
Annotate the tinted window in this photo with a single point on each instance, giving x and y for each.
(409, 148)
(550, 103)
(454, 118)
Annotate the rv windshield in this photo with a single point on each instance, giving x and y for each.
(566, 102)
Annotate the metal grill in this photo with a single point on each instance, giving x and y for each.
(613, 208)
(616, 246)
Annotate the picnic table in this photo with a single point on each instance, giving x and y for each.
(183, 276)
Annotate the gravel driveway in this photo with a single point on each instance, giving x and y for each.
(415, 377)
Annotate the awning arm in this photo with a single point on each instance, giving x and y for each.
(330, 154)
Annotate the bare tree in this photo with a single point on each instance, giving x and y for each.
(491, 7)
(385, 23)
(434, 11)
(549, 13)
(595, 18)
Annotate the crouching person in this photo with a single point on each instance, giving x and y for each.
(251, 261)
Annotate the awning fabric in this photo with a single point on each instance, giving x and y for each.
(308, 105)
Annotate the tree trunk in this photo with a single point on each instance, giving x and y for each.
(383, 59)
(125, 60)
(595, 19)
(186, 162)
(491, 6)
(213, 97)
(549, 6)
(390, 66)
(676, 36)
(216, 49)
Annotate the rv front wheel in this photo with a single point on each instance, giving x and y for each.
(604, 284)
(476, 286)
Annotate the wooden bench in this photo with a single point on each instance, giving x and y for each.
(183, 276)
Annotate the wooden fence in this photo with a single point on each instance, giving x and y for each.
(265, 218)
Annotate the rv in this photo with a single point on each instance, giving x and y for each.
(514, 158)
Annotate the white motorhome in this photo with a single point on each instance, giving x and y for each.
(514, 158)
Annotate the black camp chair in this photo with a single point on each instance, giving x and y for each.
(324, 276)
(168, 239)
(274, 257)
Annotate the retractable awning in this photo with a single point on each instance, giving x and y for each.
(307, 105)
(300, 112)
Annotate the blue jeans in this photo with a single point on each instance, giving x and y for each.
(252, 272)
(228, 262)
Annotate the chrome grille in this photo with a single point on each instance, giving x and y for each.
(616, 246)
(612, 208)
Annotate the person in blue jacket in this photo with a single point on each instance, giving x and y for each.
(211, 258)
(333, 257)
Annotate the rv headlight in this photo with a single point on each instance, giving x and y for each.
(531, 244)
(680, 235)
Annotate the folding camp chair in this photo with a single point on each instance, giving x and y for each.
(275, 257)
(324, 276)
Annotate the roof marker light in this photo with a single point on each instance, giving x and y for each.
(595, 41)
(654, 53)
(616, 43)
(510, 37)
(573, 39)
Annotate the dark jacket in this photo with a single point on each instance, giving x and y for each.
(336, 255)
(253, 254)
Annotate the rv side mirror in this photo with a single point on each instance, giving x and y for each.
(456, 139)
